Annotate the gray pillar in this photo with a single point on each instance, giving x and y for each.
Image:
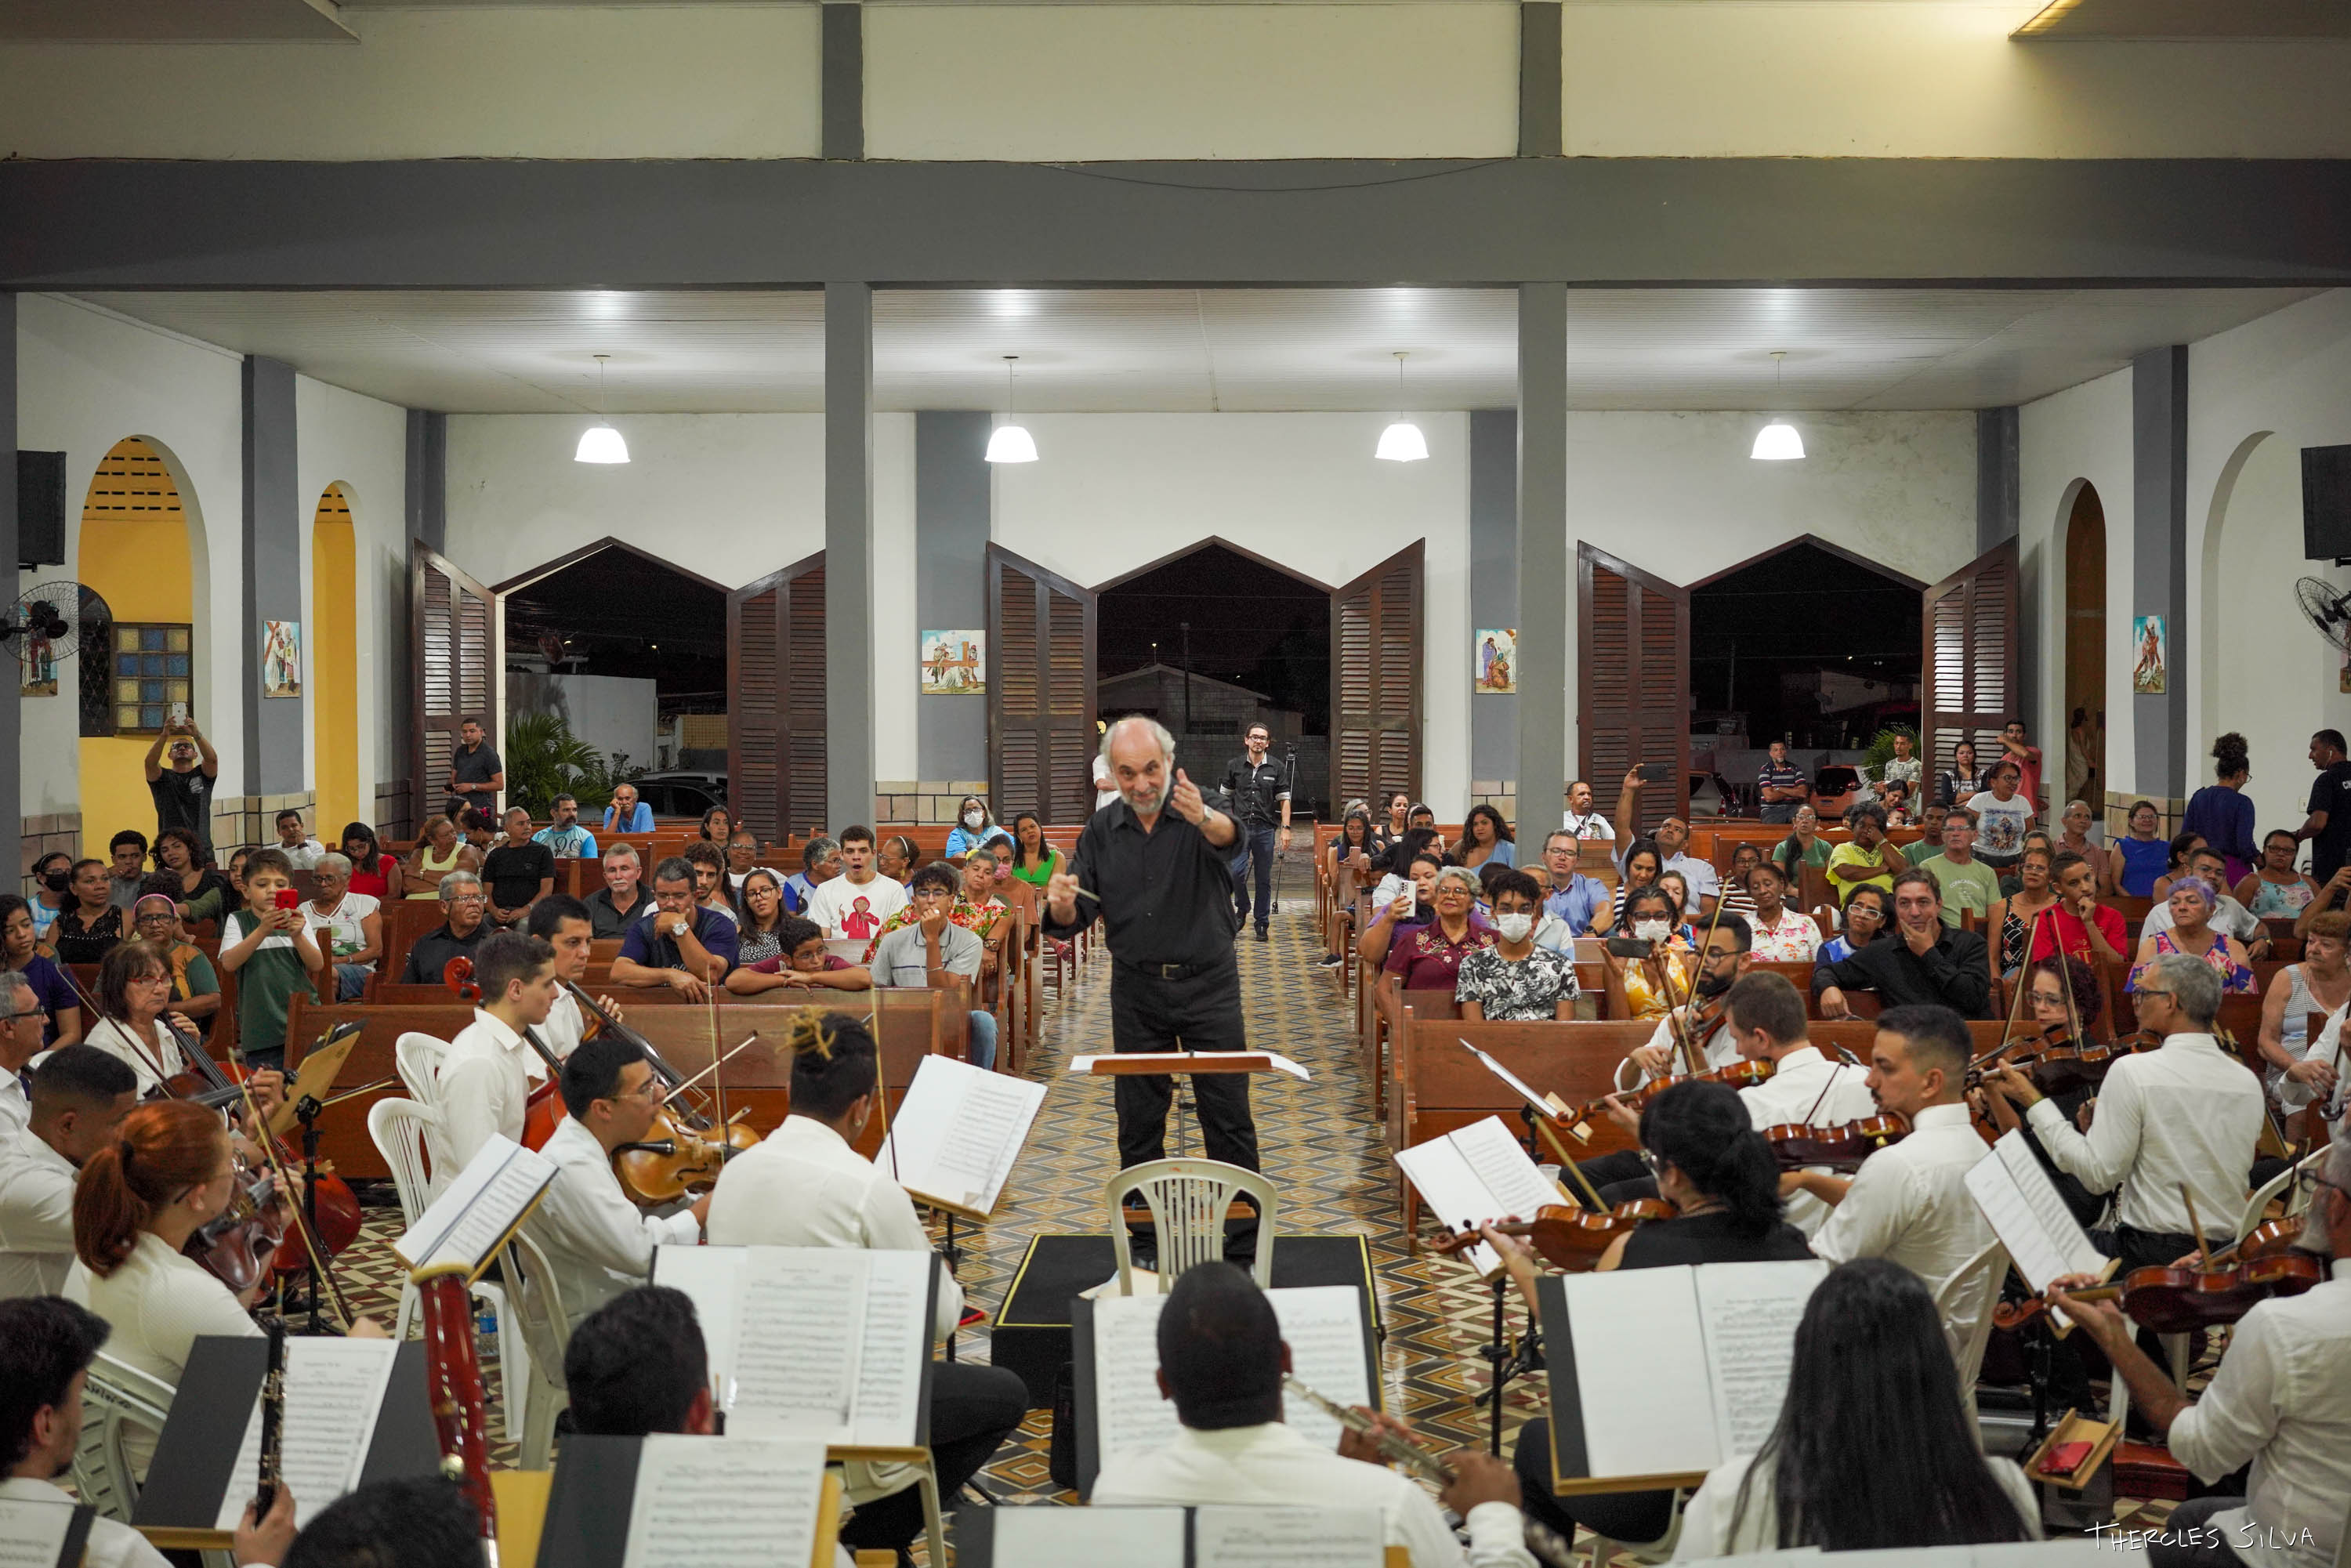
(1493, 585)
(953, 512)
(1998, 491)
(1540, 67)
(2159, 561)
(1544, 591)
(843, 86)
(12, 781)
(428, 480)
(273, 576)
(848, 552)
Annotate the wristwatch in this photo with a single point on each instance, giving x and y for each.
(681, 928)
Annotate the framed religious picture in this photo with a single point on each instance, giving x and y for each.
(2149, 657)
(1496, 662)
(281, 658)
(955, 664)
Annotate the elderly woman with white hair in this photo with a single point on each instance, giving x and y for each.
(2192, 902)
(349, 925)
(1428, 957)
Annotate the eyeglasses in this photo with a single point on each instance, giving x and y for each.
(1657, 1168)
(469, 898)
(151, 979)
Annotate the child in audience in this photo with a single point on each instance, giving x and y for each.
(269, 951)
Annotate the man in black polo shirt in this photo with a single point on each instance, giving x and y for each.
(1259, 789)
(2328, 828)
(182, 790)
(476, 774)
(1919, 961)
(1152, 865)
(463, 906)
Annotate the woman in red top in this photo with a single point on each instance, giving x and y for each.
(373, 872)
(1430, 957)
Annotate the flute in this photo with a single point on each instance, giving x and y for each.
(272, 1420)
(1545, 1543)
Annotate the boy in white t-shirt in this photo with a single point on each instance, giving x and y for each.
(852, 906)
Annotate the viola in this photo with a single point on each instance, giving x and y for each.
(1566, 1236)
(238, 1245)
(673, 1159)
(1799, 1147)
(1732, 1075)
(2182, 1298)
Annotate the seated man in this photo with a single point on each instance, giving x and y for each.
(680, 945)
(565, 838)
(623, 899)
(805, 962)
(463, 906)
(1779, 788)
(710, 887)
(1574, 898)
(805, 1185)
(1514, 980)
(599, 1244)
(627, 814)
(80, 1095)
(930, 945)
(414, 1522)
(1221, 1361)
(638, 1365)
(1966, 883)
(295, 843)
(1921, 960)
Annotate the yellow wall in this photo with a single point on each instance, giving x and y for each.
(135, 552)
(335, 665)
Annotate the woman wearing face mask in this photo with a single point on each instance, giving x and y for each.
(20, 950)
(1403, 905)
(1514, 979)
(1865, 914)
(974, 827)
(1659, 982)
(1643, 862)
(53, 890)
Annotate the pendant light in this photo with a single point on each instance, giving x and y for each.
(1400, 442)
(1778, 441)
(600, 442)
(1009, 443)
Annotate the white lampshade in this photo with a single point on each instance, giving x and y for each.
(1402, 442)
(1776, 442)
(601, 443)
(1010, 444)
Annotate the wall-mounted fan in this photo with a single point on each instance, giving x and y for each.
(2328, 609)
(49, 622)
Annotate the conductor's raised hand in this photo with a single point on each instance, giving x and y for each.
(1061, 895)
(1186, 799)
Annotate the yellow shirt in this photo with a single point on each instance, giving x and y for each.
(1853, 854)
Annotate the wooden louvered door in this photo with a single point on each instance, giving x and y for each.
(1635, 683)
(775, 710)
(1970, 657)
(1040, 691)
(455, 670)
(1375, 659)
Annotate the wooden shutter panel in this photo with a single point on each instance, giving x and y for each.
(1376, 660)
(1040, 691)
(452, 676)
(1635, 690)
(1970, 657)
(775, 710)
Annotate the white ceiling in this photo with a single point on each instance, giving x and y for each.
(1238, 349)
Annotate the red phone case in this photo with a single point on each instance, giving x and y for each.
(2066, 1457)
(288, 899)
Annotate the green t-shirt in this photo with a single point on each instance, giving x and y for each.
(1852, 854)
(1973, 887)
(1037, 873)
(268, 980)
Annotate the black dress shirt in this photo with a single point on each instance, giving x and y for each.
(1166, 895)
(1952, 973)
(432, 952)
(1256, 790)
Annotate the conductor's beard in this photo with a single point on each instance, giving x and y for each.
(1146, 799)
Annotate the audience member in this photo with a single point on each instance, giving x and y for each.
(896, 857)
(2193, 903)
(52, 890)
(518, 872)
(760, 935)
(1866, 916)
(2139, 857)
(373, 872)
(1903, 768)
(717, 822)
(78, 1097)
(199, 888)
(929, 943)
(1486, 839)
(1395, 914)
(2012, 923)
(1347, 863)
(1580, 901)
(565, 839)
(21, 955)
(182, 784)
(295, 843)
(710, 890)
(1961, 779)
(974, 825)
(127, 867)
(1782, 934)
(621, 902)
(2222, 811)
(683, 945)
(627, 813)
(1967, 885)
(267, 947)
(1779, 788)
(2003, 813)
(2018, 750)
(480, 828)
(2209, 865)
(1922, 960)
(819, 864)
(2321, 983)
(1390, 822)
(476, 777)
(1512, 979)
(1660, 980)
(439, 850)
(1894, 796)
(2081, 927)
(2077, 831)
(350, 925)
(978, 908)
(1736, 899)
(852, 906)
(1428, 958)
(2274, 888)
(2175, 865)
(742, 860)
(1868, 859)
(803, 960)
(195, 984)
(1803, 847)
(1931, 818)
(1580, 820)
(2328, 826)
(1642, 865)
(93, 922)
(464, 922)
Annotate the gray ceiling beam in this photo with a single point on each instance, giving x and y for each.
(719, 225)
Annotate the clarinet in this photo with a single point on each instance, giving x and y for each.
(1545, 1543)
(272, 1420)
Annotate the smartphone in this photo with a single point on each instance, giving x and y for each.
(1656, 772)
(288, 899)
(179, 713)
(1628, 947)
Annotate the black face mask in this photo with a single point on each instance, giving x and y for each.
(58, 881)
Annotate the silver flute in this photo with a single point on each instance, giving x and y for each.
(1545, 1543)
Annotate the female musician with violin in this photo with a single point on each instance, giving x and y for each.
(1715, 1170)
(2048, 1013)
(2281, 1400)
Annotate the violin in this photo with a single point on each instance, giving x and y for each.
(673, 1159)
(1566, 1236)
(544, 1107)
(1799, 1147)
(239, 1245)
(2181, 1298)
(1732, 1075)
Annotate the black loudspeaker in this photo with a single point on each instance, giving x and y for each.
(2327, 503)
(40, 508)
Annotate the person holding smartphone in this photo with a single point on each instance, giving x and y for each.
(182, 788)
(269, 947)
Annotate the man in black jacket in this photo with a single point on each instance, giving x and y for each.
(1920, 961)
(1258, 790)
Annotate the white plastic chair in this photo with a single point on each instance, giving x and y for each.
(1189, 1201)
(1981, 1272)
(117, 1398)
(2289, 1181)
(418, 1057)
(546, 1331)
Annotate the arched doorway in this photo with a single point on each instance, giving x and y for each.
(335, 664)
(2272, 679)
(2084, 703)
(136, 552)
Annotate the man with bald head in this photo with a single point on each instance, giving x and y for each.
(1153, 866)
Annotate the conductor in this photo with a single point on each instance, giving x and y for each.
(1155, 867)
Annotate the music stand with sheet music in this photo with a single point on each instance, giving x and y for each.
(1177, 1063)
(307, 1096)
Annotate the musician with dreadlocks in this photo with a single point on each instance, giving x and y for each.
(805, 1185)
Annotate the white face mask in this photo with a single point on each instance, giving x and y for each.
(1514, 926)
(974, 819)
(1651, 930)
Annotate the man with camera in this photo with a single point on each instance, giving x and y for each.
(182, 790)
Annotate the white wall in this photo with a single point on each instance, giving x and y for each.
(611, 713)
(86, 379)
(361, 444)
(2080, 434)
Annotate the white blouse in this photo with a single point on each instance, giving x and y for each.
(159, 1303)
(1705, 1518)
(143, 1056)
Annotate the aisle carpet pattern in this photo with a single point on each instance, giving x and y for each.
(1318, 1141)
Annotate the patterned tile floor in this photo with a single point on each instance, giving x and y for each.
(1318, 1140)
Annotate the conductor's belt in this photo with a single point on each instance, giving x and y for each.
(1167, 971)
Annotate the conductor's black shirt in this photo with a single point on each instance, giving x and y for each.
(1166, 895)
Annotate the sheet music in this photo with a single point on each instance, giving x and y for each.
(959, 1131)
(1227, 1537)
(1749, 1312)
(1042, 1537)
(746, 1503)
(2043, 1237)
(32, 1533)
(896, 1344)
(1279, 1063)
(465, 1223)
(1501, 1163)
(713, 1275)
(1324, 1326)
(1648, 1414)
(796, 1348)
(334, 1391)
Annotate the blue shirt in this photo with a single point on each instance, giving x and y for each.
(656, 950)
(960, 840)
(797, 890)
(572, 843)
(55, 993)
(640, 820)
(1579, 902)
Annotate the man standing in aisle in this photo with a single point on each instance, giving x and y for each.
(2328, 826)
(1152, 867)
(183, 791)
(476, 774)
(1258, 790)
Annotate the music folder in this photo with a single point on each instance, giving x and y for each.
(1211, 1536)
(670, 1499)
(1474, 1174)
(477, 1213)
(196, 1478)
(1114, 1367)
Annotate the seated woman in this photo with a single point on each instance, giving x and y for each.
(137, 1024)
(1642, 864)
(373, 873)
(974, 825)
(1486, 839)
(439, 850)
(1875, 1448)
(21, 951)
(1348, 864)
(1782, 933)
(896, 857)
(2321, 983)
(2139, 857)
(764, 915)
(2183, 847)
(201, 889)
(1659, 981)
(1400, 906)
(1803, 847)
(1715, 1170)
(2192, 901)
(718, 826)
(1034, 861)
(195, 984)
(802, 961)
(1514, 979)
(2010, 925)
(2277, 889)
(1737, 897)
(1676, 884)
(1866, 914)
(92, 922)
(1430, 957)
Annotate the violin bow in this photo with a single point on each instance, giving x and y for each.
(2203, 1247)
(2023, 984)
(319, 1262)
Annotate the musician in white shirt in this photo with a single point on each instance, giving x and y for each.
(807, 1186)
(20, 1041)
(2281, 1399)
(80, 1095)
(563, 923)
(482, 1086)
(1221, 1361)
(2186, 1113)
(1909, 1201)
(47, 1347)
(134, 1021)
(599, 1243)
